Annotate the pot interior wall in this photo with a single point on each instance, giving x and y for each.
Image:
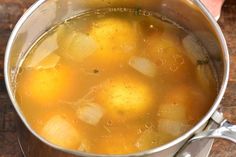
(49, 13)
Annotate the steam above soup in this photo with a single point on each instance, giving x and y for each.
(113, 82)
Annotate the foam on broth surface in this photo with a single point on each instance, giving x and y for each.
(114, 82)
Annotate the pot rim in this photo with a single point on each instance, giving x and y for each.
(185, 136)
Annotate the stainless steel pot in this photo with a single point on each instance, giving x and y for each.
(189, 13)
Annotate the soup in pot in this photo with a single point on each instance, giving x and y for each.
(115, 81)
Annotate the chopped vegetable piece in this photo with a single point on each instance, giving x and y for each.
(78, 46)
(90, 113)
(151, 138)
(46, 85)
(84, 146)
(125, 97)
(172, 111)
(194, 51)
(50, 62)
(42, 51)
(144, 66)
(116, 38)
(61, 132)
(173, 127)
(205, 76)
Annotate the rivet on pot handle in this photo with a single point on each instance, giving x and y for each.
(213, 6)
(226, 130)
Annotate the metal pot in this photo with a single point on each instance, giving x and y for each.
(191, 14)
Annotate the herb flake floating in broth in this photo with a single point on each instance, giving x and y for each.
(123, 80)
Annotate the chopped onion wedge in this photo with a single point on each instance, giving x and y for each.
(61, 132)
(90, 113)
(45, 48)
(175, 128)
(194, 51)
(49, 62)
(151, 138)
(78, 46)
(84, 146)
(147, 139)
(205, 76)
(144, 66)
(172, 111)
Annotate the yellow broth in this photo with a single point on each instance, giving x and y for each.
(113, 82)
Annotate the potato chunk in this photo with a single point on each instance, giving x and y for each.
(45, 86)
(125, 97)
(61, 132)
(116, 38)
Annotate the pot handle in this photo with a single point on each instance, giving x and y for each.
(213, 6)
(226, 131)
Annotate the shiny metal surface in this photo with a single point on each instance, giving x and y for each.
(196, 149)
(46, 13)
(224, 130)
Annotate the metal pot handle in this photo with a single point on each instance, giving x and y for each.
(213, 6)
(226, 130)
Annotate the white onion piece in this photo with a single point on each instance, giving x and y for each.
(61, 132)
(144, 66)
(49, 62)
(205, 76)
(172, 111)
(209, 42)
(90, 113)
(194, 51)
(79, 46)
(84, 146)
(175, 128)
(45, 48)
(148, 139)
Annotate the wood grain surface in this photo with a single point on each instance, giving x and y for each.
(10, 12)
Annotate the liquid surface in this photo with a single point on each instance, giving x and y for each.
(115, 82)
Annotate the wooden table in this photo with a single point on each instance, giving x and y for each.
(11, 10)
